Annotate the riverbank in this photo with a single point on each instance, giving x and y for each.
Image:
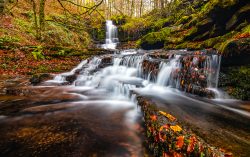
(35, 60)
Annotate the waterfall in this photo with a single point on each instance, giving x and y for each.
(111, 36)
(123, 72)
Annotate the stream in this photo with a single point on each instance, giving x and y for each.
(97, 113)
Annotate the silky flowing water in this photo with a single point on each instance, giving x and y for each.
(111, 36)
(92, 110)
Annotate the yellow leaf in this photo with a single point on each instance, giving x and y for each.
(169, 116)
(176, 128)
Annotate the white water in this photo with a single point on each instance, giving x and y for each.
(111, 36)
(114, 83)
(125, 73)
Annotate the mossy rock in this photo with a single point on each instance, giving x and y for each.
(183, 20)
(212, 42)
(155, 40)
(38, 78)
(200, 31)
(239, 17)
(236, 81)
(235, 52)
(161, 23)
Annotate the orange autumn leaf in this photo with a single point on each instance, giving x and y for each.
(165, 154)
(175, 154)
(169, 116)
(151, 129)
(153, 117)
(180, 141)
(162, 137)
(176, 128)
(166, 127)
(191, 144)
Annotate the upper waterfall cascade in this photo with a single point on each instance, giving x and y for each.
(111, 36)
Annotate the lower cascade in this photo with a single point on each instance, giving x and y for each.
(191, 72)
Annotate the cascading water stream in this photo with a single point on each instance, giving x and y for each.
(189, 72)
(112, 83)
(114, 77)
(111, 36)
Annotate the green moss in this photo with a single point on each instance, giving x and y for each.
(182, 45)
(190, 33)
(119, 19)
(238, 16)
(24, 25)
(214, 4)
(8, 40)
(212, 42)
(236, 81)
(160, 23)
(156, 37)
(136, 24)
(224, 48)
(192, 23)
(183, 20)
(246, 29)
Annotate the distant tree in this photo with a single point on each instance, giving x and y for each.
(2, 5)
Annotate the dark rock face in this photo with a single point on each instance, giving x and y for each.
(151, 46)
(239, 17)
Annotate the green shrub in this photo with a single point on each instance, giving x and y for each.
(61, 53)
(8, 40)
(38, 53)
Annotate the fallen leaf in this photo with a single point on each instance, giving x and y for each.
(176, 128)
(169, 116)
(175, 154)
(191, 144)
(153, 117)
(180, 141)
(166, 127)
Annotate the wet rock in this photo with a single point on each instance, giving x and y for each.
(71, 78)
(107, 60)
(150, 68)
(36, 79)
(18, 91)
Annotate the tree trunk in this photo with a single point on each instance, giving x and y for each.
(42, 15)
(141, 5)
(2, 5)
(132, 8)
(38, 34)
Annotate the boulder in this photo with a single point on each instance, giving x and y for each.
(236, 52)
(36, 79)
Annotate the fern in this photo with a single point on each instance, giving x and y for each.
(38, 53)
